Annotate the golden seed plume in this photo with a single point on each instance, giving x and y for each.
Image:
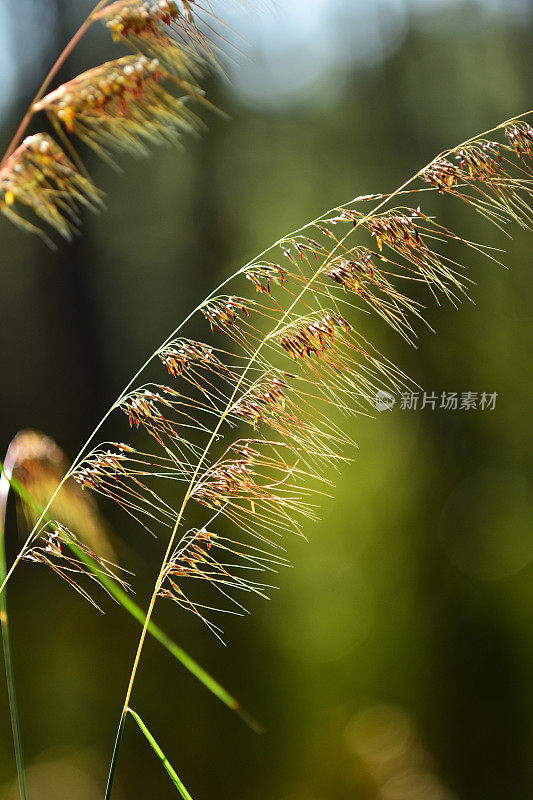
(121, 104)
(163, 29)
(42, 178)
(125, 104)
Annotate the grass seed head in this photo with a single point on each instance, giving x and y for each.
(162, 28)
(59, 549)
(121, 104)
(41, 177)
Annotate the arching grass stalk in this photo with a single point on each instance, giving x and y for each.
(83, 450)
(497, 199)
(259, 482)
(358, 222)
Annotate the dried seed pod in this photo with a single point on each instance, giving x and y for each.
(40, 176)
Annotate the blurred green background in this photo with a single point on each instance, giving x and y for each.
(396, 660)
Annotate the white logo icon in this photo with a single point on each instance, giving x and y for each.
(384, 401)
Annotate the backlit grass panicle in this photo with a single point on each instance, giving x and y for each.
(37, 463)
(183, 357)
(251, 421)
(53, 547)
(494, 177)
(121, 104)
(295, 366)
(41, 178)
(224, 565)
(126, 104)
(292, 413)
(174, 32)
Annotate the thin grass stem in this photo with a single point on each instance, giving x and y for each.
(6, 644)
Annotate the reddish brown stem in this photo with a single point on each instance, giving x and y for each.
(48, 80)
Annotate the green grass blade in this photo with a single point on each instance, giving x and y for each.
(6, 646)
(159, 753)
(112, 768)
(136, 611)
